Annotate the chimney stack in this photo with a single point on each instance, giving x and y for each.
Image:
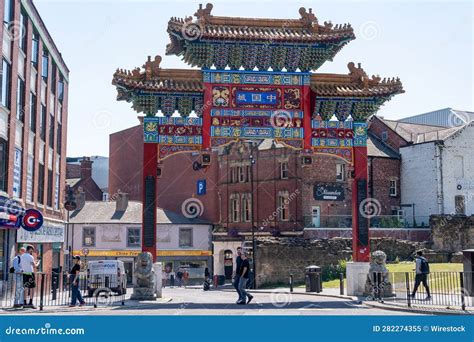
(121, 203)
(86, 168)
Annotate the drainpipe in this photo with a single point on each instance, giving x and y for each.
(439, 175)
(220, 206)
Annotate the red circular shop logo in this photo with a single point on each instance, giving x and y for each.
(32, 220)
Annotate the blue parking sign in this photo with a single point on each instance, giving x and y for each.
(201, 187)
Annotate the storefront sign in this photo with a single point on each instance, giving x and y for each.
(133, 253)
(29, 178)
(328, 192)
(48, 233)
(17, 173)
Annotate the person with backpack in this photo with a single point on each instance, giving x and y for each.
(17, 272)
(422, 269)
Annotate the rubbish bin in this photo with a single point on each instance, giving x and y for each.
(314, 282)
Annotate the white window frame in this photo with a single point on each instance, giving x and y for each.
(234, 208)
(283, 208)
(139, 237)
(246, 207)
(393, 189)
(284, 170)
(187, 229)
(84, 236)
(340, 172)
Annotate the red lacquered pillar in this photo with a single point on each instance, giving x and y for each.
(206, 117)
(149, 195)
(360, 221)
(307, 115)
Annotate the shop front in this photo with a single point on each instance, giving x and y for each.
(48, 242)
(194, 262)
(191, 263)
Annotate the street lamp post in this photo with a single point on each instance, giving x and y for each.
(252, 163)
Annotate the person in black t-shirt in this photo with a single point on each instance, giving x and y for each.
(244, 277)
(74, 279)
(238, 264)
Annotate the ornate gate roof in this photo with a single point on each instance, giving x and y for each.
(250, 43)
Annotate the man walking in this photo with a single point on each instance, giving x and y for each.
(74, 278)
(28, 265)
(18, 276)
(238, 264)
(244, 278)
(422, 269)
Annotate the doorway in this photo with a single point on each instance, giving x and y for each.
(129, 271)
(228, 264)
(316, 216)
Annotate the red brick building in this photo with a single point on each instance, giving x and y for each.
(284, 188)
(279, 177)
(33, 121)
(79, 178)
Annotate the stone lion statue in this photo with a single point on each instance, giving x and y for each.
(144, 277)
(377, 285)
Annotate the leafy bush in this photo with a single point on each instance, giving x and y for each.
(332, 271)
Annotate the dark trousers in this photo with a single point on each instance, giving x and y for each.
(236, 286)
(75, 292)
(421, 278)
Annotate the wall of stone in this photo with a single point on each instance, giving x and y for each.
(277, 258)
(452, 233)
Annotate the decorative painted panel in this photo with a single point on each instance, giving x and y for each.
(172, 130)
(360, 134)
(338, 137)
(257, 78)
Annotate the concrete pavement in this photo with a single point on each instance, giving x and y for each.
(194, 301)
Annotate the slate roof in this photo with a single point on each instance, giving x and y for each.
(104, 212)
(418, 133)
(377, 148)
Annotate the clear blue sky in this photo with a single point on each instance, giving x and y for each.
(429, 45)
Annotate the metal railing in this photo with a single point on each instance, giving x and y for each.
(378, 221)
(452, 290)
(55, 289)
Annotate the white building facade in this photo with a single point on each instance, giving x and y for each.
(101, 232)
(438, 176)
